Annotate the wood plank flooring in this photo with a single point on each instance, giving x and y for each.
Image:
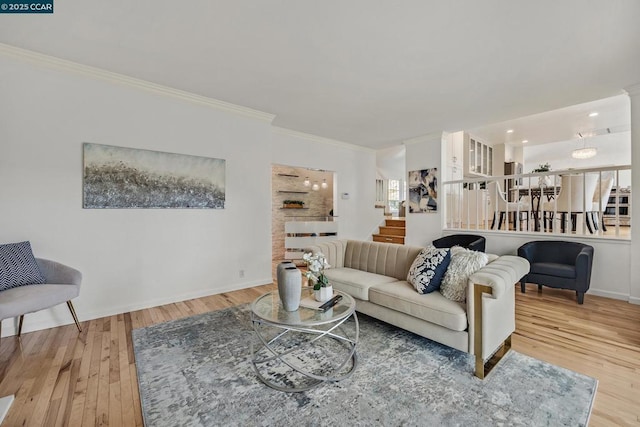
(61, 377)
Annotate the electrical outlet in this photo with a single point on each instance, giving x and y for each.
(241, 273)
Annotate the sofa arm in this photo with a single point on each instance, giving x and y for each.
(333, 251)
(584, 262)
(503, 272)
(491, 307)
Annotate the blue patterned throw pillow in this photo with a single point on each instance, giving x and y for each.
(18, 266)
(428, 269)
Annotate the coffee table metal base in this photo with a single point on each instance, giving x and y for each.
(277, 349)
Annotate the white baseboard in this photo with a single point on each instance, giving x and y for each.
(609, 294)
(5, 404)
(634, 300)
(111, 311)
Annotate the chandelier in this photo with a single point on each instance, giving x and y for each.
(584, 152)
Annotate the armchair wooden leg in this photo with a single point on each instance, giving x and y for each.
(20, 322)
(73, 313)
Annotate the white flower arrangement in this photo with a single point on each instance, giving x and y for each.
(315, 269)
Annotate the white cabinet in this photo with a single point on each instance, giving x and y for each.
(478, 157)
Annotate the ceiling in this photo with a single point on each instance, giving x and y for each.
(605, 116)
(367, 72)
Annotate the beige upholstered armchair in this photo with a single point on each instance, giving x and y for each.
(62, 284)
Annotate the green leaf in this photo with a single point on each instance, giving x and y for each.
(323, 280)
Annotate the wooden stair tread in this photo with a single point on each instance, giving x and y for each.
(388, 239)
(392, 231)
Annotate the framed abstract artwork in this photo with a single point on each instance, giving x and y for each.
(118, 177)
(423, 190)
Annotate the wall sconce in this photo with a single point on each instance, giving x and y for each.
(324, 184)
(307, 182)
(315, 186)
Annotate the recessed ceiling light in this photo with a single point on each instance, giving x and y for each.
(595, 113)
(524, 141)
(510, 131)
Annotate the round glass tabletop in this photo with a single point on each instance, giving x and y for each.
(269, 308)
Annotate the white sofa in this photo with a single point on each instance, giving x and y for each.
(375, 275)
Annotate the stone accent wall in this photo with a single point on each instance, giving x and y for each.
(318, 204)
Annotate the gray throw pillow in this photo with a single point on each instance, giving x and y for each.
(18, 266)
(464, 262)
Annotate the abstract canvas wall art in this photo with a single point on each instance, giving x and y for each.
(117, 177)
(423, 190)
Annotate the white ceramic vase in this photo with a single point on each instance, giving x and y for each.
(323, 294)
(289, 285)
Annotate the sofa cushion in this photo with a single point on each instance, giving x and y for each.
(553, 269)
(355, 282)
(432, 307)
(464, 263)
(18, 266)
(428, 269)
(387, 259)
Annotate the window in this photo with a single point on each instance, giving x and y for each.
(379, 192)
(395, 196)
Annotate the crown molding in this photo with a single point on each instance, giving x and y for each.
(424, 138)
(100, 74)
(633, 89)
(320, 139)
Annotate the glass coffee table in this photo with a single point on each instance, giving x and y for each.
(301, 349)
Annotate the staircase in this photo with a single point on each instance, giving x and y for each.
(393, 231)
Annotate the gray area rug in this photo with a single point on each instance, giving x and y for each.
(197, 372)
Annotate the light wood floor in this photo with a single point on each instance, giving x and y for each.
(60, 377)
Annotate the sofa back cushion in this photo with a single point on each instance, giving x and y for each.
(333, 251)
(387, 259)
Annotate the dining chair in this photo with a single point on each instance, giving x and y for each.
(575, 197)
(601, 198)
(499, 204)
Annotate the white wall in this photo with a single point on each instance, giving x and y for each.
(425, 153)
(634, 96)
(391, 163)
(138, 258)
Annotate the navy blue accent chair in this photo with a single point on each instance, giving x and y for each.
(558, 264)
(469, 241)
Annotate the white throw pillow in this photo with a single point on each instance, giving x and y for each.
(464, 262)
